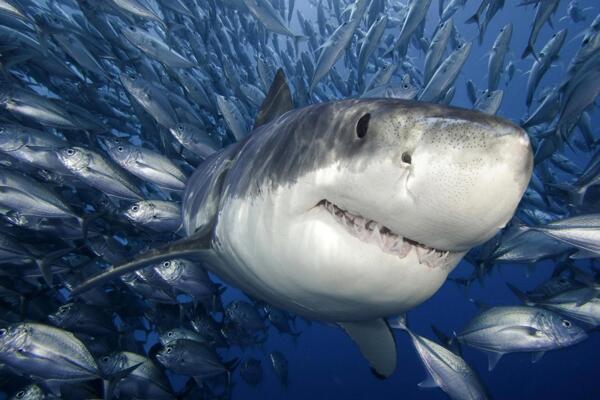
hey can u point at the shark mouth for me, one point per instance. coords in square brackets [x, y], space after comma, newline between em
[372, 232]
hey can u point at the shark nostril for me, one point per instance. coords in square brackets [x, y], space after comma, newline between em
[406, 158]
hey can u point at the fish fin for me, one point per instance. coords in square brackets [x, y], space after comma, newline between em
[520, 294]
[474, 19]
[400, 322]
[493, 359]
[449, 342]
[529, 50]
[45, 264]
[376, 342]
[195, 244]
[527, 330]
[428, 383]
[589, 295]
[109, 382]
[537, 356]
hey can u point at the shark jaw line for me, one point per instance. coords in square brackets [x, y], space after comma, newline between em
[375, 233]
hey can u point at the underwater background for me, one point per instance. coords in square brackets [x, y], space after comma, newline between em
[324, 363]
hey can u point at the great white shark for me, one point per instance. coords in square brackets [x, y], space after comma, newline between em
[349, 211]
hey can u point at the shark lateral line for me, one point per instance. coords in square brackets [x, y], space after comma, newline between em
[349, 211]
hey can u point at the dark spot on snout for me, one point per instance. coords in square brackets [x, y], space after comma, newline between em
[362, 126]
[406, 158]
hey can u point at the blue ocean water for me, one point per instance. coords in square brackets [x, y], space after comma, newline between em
[324, 363]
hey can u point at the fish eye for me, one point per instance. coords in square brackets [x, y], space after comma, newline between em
[566, 323]
[70, 152]
[562, 280]
[586, 41]
[20, 394]
[180, 127]
[131, 28]
[120, 148]
[166, 263]
[406, 158]
[170, 334]
[405, 86]
[169, 349]
[362, 126]
[105, 359]
[134, 208]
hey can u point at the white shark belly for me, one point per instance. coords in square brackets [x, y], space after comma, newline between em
[351, 280]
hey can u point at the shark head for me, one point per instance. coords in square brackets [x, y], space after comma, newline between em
[359, 209]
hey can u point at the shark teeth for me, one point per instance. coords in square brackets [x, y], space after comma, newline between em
[373, 232]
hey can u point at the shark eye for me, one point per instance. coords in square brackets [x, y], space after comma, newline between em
[362, 126]
[566, 324]
[406, 158]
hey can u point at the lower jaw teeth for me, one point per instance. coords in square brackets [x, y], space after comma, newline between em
[371, 231]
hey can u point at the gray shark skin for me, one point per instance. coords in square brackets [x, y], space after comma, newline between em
[352, 210]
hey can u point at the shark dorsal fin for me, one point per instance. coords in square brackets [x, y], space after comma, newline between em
[278, 101]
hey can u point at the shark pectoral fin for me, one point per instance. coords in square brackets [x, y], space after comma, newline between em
[428, 383]
[278, 101]
[493, 359]
[535, 357]
[194, 245]
[376, 342]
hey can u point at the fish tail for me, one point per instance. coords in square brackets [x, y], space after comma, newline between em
[399, 322]
[474, 19]
[529, 50]
[520, 294]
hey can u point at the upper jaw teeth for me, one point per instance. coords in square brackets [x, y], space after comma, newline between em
[373, 232]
